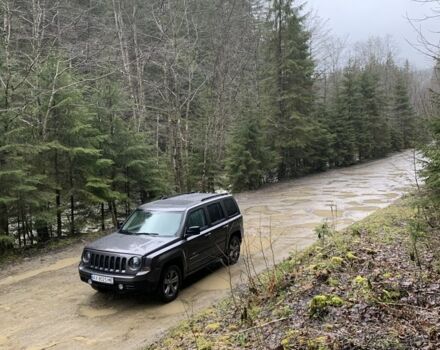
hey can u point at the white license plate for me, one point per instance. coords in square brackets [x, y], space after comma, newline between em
[102, 279]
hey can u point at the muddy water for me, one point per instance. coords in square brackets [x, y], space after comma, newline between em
[44, 305]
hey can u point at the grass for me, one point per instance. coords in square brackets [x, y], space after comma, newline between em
[357, 289]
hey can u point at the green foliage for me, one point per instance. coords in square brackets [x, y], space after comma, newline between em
[6, 244]
[288, 87]
[319, 304]
[249, 160]
[199, 96]
[324, 230]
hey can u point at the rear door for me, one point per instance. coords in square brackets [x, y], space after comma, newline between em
[218, 230]
[197, 247]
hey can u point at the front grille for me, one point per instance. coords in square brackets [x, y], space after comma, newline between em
[110, 263]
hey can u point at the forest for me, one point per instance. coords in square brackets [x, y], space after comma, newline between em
[108, 104]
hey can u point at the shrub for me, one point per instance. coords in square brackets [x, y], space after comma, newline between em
[6, 244]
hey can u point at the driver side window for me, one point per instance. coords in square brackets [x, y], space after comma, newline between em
[197, 218]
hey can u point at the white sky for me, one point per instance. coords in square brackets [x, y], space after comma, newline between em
[360, 19]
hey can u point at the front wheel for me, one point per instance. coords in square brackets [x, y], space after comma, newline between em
[169, 283]
[233, 252]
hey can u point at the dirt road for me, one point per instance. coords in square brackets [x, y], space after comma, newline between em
[43, 305]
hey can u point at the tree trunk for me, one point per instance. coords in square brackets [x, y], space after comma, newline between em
[72, 215]
[42, 230]
[58, 197]
[72, 202]
[112, 208]
[4, 220]
[58, 207]
[102, 217]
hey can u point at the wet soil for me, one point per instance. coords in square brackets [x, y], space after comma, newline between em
[44, 305]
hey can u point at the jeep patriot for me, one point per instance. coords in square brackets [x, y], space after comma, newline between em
[163, 242]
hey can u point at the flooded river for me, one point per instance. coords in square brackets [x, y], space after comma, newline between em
[43, 305]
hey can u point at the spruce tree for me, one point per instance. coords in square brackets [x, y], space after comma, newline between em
[288, 86]
[249, 160]
[345, 122]
[373, 134]
[404, 120]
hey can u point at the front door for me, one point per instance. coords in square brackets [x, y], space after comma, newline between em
[197, 246]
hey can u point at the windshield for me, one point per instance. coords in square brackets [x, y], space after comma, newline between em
[154, 223]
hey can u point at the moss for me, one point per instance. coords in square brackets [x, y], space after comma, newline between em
[387, 275]
[361, 281]
[290, 338]
[212, 327]
[351, 256]
[319, 343]
[319, 304]
[337, 261]
[204, 344]
[335, 301]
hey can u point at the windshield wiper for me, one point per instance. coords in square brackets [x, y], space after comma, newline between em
[147, 233]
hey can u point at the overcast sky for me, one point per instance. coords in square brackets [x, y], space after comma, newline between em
[359, 19]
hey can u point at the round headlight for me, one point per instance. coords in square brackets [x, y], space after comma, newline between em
[135, 263]
[86, 257]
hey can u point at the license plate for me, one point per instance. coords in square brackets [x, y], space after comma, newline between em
[102, 279]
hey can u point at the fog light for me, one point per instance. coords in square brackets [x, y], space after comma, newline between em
[120, 286]
[89, 281]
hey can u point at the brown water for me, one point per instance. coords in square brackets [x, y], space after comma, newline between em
[44, 305]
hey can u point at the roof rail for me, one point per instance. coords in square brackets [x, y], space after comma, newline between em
[214, 196]
[177, 195]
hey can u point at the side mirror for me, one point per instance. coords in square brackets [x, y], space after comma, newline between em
[193, 231]
[119, 224]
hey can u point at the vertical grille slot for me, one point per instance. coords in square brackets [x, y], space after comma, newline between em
[118, 264]
[112, 263]
[123, 264]
[106, 262]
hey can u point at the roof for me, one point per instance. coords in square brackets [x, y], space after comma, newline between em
[182, 201]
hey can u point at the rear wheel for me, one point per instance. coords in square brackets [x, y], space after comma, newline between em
[233, 252]
[170, 283]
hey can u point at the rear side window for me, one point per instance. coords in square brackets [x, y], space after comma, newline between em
[231, 207]
[197, 218]
[215, 212]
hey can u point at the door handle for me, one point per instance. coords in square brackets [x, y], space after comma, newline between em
[226, 226]
[208, 234]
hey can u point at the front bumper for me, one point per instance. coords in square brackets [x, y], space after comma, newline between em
[122, 283]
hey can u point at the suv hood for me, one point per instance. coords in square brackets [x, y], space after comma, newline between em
[130, 244]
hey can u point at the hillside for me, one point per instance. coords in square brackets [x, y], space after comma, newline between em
[358, 289]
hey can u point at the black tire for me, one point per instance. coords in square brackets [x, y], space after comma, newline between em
[169, 283]
[233, 251]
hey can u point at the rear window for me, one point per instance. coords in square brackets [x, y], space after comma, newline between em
[231, 207]
[215, 212]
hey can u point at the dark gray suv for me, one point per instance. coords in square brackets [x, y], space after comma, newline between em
[163, 242]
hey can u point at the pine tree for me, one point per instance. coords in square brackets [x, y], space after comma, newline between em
[289, 86]
[404, 120]
[373, 133]
[67, 137]
[345, 122]
[248, 159]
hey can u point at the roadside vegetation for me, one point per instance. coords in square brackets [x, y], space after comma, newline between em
[372, 286]
[107, 104]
